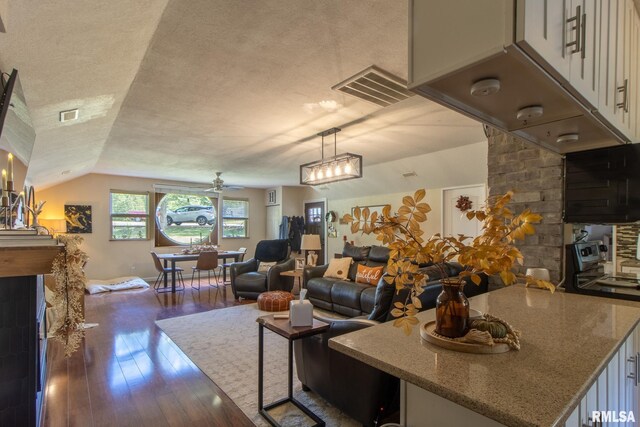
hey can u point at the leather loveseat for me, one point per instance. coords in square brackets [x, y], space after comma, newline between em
[345, 297]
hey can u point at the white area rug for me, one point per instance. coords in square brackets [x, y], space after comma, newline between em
[117, 284]
[224, 345]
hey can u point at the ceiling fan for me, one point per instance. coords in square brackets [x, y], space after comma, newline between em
[218, 185]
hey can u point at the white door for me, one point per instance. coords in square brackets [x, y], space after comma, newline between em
[454, 221]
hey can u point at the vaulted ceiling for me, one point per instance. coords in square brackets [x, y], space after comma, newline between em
[178, 89]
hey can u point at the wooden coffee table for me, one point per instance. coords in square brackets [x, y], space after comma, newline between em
[283, 328]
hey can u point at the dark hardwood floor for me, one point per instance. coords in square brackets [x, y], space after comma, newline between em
[129, 373]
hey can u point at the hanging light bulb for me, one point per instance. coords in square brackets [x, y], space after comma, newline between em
[312, 175]
[337, 170]
[329, 172]
[320, 174]
[347, 168]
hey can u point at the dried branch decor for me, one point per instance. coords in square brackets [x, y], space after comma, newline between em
[69, 291]
[493, 252]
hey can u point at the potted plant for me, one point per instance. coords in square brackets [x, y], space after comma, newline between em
[493, 252]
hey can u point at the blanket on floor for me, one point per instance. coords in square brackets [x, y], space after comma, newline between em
[117, 284]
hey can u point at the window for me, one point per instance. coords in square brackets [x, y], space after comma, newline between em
[129, 215]
[235, 218]
[185, 219]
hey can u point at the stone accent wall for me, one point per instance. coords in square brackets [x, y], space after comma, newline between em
[626, 240]
[535, 175]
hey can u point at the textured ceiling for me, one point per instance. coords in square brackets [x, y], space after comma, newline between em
[178, 89]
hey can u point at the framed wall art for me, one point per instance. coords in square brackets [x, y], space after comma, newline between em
[78, 218]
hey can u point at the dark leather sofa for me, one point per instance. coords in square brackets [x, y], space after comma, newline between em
[352, 299]
[248, 282]
[345, 297]
[364, 393]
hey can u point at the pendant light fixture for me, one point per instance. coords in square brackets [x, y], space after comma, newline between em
[340, 167]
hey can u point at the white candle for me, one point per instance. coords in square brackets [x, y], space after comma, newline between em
[10, 167]
[4, 180]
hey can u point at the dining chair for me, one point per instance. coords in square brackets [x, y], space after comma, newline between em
[162, 271]
[228, 264]
[207, 261]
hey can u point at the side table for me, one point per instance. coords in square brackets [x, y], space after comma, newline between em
[297, 277]
[283, 328]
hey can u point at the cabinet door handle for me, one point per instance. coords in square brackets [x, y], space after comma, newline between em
[583, 36]
[624, 89]
[637, 368]
[578, 21]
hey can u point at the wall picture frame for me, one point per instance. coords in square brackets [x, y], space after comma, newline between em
[78, 218]
[299, 263]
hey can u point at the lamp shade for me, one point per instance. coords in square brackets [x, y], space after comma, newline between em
[310, 242]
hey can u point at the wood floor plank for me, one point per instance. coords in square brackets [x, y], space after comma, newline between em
[129, 373]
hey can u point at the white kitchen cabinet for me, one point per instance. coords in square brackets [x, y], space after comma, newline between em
[619, 66]
[542, 29]
[634, 75]
[616, 388]
[607, 60]
[585, 31]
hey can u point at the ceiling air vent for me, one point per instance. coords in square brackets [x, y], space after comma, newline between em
[69, 115]
[376, 86]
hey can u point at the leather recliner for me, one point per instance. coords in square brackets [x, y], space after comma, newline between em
[248, 282]
[363, 392]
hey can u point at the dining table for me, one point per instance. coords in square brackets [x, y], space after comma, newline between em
[180, 257]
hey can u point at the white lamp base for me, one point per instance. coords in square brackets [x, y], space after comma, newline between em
[312, 258]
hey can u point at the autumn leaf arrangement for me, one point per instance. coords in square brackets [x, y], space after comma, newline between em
[493, 252]
[70, 281]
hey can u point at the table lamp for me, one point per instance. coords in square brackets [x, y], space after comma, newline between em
[311, 243]
[55, 226]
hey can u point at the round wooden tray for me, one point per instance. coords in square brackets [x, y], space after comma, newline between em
[426, 332]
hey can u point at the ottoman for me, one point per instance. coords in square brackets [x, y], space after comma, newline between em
[274, 301]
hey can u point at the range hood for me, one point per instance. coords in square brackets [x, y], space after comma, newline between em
[522, 85]
[478, 67]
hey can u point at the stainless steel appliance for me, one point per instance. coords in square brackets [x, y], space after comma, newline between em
[585, 274]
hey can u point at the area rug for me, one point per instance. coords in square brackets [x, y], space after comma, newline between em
[224, 345]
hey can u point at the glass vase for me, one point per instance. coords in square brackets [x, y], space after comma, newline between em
[452, 309]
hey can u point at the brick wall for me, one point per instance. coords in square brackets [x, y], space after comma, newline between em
[535, 175]
[626, 240]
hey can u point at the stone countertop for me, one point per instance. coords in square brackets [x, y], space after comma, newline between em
[567, 339]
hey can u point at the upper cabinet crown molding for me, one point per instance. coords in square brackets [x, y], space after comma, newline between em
[561, 73]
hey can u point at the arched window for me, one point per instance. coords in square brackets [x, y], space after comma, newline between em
[185, 219]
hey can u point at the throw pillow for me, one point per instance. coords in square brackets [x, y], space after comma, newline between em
[369, 275]
[264, 267]
[338, 268]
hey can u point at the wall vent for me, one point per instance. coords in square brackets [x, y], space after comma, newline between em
[376, 86]
[69, 115]
[409, 174]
